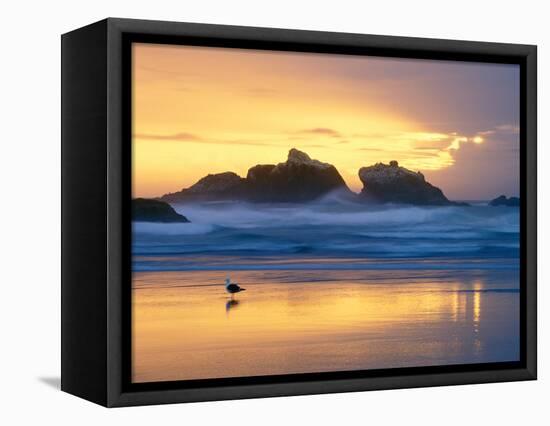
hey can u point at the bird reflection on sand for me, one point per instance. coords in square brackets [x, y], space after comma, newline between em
[231, 304]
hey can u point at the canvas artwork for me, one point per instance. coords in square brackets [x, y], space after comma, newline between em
[308, 213]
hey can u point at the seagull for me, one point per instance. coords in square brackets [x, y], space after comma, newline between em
[232, 288]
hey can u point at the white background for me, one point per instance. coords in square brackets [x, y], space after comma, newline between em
[30, 212]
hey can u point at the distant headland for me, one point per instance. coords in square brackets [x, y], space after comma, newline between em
[503, 201]
[145, 210]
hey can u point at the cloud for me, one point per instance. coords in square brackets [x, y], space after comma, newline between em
[372, 149]
[507, 128]
[191, 137]
[324, 131]
[420, 150]
[481, 170]
[442, 142]
[273, 141]
[180, 137]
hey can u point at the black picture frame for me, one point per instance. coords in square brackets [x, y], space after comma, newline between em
[96, 225]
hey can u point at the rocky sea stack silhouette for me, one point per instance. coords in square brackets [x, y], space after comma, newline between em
[299, 179]
[302, 179]
[503, 201]
[219, 186]
[391, 183]
[145, 210]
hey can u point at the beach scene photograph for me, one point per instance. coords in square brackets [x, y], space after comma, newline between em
[307, 213]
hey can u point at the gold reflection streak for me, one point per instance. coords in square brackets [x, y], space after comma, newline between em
[477, 310]
[455, 302]
[476, 315]
[477, 304]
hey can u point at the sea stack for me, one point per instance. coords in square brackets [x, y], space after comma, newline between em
[391, 183]
[220, 186]
[503, 201]
[298, 179]
[145, 210]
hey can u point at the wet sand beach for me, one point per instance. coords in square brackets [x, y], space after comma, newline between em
[298, 321]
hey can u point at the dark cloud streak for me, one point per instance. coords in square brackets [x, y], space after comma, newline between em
[321, 131]
[190, 137]
[179, 137]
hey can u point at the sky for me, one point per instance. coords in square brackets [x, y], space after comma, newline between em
[201, 110]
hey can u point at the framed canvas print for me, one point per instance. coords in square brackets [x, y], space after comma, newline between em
[252, 212]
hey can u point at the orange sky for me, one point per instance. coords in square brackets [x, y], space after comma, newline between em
[203, 110]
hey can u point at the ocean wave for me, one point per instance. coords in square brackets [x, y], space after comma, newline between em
[244, 215]
[333, 228]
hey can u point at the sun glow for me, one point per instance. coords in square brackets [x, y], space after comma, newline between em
[477, 139]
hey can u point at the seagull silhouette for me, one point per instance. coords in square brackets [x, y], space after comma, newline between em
[232, 288]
